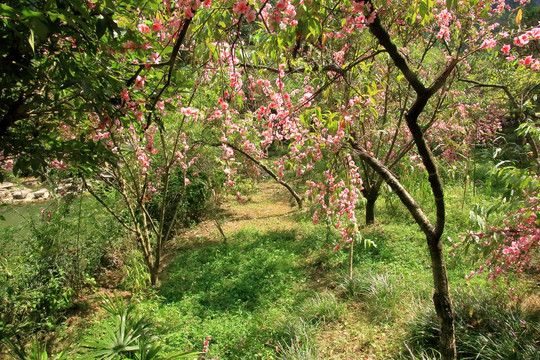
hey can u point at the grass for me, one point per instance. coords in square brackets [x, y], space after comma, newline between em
[240, 293]
[276, 290]
[489, 325]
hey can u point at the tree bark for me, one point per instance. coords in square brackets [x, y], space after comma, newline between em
[154, 275]
[441, 297]
[371, 195]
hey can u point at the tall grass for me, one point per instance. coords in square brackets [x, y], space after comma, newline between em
[299, 345]
[488, 327]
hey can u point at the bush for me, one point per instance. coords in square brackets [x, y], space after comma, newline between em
[129, 336]
[188, 201]
[488, 327]
[52, 260]
[300, 345]
[321, 308]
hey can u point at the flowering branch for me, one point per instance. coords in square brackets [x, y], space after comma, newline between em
[268, 171]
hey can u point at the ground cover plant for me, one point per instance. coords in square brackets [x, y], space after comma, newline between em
[287, 294]
[161, 108]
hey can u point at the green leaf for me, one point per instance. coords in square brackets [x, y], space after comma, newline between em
[31, 40]
[6, 10]
[101, 27]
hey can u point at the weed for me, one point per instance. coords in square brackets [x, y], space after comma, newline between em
[300, 345]
[488, 326]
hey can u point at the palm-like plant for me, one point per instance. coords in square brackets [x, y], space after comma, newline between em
[129, 336]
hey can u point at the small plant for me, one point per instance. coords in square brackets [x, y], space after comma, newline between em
[136, 276]
[377, 289]
[355, 286]
[129, 337]
[300, 345]
[321, 308]
[37, 351]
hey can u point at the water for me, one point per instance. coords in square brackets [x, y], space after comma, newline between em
[19, 215]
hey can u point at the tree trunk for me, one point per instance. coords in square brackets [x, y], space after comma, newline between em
[154, 275]
[351, 259]
[371, 197]
[442, 299]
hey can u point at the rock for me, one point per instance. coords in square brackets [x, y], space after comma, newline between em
[20, 194]
[41, 194]
[6, 186]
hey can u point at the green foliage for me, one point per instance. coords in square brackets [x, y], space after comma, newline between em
[129, 336]
[47, 265]
[300, 344]
[191, 199]
[37, 351]
[123, 337]
[321, 308]
[136, 277]
[488, 326]
[53, 74]
[243, 294]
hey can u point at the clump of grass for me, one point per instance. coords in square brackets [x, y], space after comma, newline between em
[380, 292]
[488, 326]
[300, 345]
[321, 308]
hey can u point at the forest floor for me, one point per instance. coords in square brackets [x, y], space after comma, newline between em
[266, 284]
[350, 335]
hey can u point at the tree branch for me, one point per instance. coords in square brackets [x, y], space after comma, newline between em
[102, 202]
[384, 39]
[268, 171]
[406, 198]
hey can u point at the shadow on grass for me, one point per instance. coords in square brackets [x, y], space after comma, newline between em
[253, 270]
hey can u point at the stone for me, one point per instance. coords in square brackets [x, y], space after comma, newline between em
[41, 194]
[20, 194]
[6, 185]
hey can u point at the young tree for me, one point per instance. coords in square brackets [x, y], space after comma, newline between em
[270, 74]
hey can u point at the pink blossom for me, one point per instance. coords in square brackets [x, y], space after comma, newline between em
[139, 82]
[155, 58]
[158, 27]
[143, 28]
[528, 60]
[358, 7]
[488, 44]
[281, 5]
[251, 16]
[535, 33]
[131, 45]
[506, 49]
[125, 95]
[521, 40]
[241, 8]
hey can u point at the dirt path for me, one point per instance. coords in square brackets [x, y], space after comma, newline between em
[271, 208]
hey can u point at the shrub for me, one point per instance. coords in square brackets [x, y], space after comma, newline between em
[321, 308]
[488, 327]
[129, 336]
[50, 262]
[188, 201]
